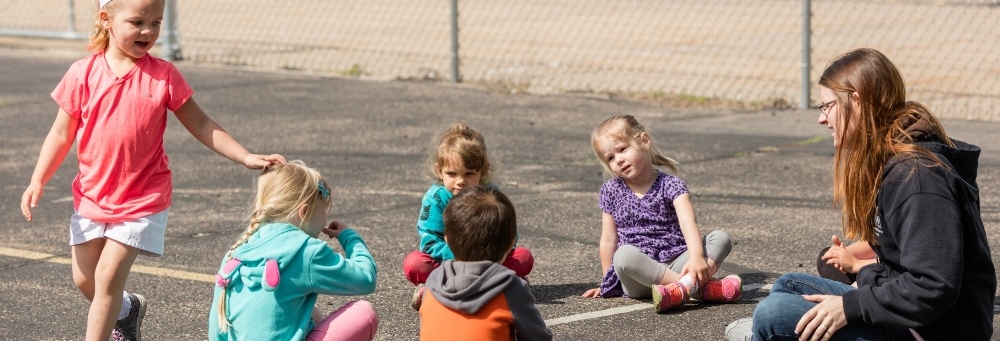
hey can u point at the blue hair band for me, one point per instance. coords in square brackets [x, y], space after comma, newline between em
[323, 191]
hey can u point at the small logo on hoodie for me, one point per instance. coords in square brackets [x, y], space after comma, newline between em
[877, 221]
[425, 212]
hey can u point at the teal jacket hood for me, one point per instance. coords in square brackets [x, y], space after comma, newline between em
[256, 263]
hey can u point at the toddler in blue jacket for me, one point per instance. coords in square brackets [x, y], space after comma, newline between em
[459, 161]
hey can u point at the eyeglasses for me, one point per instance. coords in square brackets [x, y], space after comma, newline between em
[825, 107]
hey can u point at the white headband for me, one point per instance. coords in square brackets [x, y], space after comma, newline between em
[104, 2]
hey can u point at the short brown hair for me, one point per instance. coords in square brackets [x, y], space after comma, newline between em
[480, 224]
[465, 144]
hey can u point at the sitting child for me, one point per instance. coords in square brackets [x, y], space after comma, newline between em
[473, 297]
[459, 161]
[650, 241]
[269, 280]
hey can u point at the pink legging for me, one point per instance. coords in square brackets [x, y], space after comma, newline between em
[418, 265]
[356, 320]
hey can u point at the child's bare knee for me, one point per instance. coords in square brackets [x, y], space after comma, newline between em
[85, 285]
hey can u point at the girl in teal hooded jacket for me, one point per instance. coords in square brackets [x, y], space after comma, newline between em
[459, 160]
[268, 283]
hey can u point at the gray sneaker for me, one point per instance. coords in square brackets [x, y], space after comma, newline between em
[418, 297]
[740, 330]
[127, 329]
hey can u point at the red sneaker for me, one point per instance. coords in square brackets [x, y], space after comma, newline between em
[669, 296]
[724, 290]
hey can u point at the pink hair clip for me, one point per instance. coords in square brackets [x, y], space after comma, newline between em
[221, 282]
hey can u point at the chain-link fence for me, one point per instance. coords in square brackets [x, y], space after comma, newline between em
[737, 50]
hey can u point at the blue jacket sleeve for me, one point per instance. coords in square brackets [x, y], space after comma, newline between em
[353, 274]
[430, 225]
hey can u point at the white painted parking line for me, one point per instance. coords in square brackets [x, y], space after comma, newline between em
[631, 308]
[198, 277]
[596, 314]
[149, 270]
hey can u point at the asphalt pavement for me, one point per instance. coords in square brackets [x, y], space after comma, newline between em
[761, 176]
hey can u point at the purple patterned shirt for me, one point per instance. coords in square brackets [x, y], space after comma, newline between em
[648, 223]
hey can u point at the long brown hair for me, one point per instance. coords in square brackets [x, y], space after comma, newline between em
[871, 135]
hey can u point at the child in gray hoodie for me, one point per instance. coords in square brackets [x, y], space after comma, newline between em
[474, 297]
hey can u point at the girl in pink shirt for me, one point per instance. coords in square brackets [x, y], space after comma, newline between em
[114, 105]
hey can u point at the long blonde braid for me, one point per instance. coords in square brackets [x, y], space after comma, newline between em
[251, 229]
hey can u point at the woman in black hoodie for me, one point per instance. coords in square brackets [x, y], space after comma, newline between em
[909, 191]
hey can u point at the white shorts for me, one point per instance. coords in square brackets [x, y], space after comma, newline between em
[145, 234]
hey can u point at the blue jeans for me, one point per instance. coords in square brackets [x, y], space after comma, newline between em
[776, 316]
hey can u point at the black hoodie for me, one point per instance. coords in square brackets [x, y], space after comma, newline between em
[934, 272]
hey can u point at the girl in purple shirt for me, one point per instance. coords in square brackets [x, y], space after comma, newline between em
[648, 227]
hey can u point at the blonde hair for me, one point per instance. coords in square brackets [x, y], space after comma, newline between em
[464, 143]
[281, 190]
[627, 129]
[877, 133]
[99, 36]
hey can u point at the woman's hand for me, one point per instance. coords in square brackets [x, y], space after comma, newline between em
[823, 320]
[840, 257]
[698, 268]
[255, 161]
[333, 230]
[593, 293]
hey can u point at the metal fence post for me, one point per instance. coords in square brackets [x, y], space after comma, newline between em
[72, 18]
[806, 32]
[171, 50]
[455, 77]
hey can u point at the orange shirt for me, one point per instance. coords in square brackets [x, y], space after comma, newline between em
[493, 322]
[123, 167]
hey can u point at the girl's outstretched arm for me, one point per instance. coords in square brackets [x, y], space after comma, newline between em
[696, 265]
[353, 273]
[211, 134]
[54, 150]
[608, 246]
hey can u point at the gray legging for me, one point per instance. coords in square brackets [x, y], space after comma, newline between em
[638, 272]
